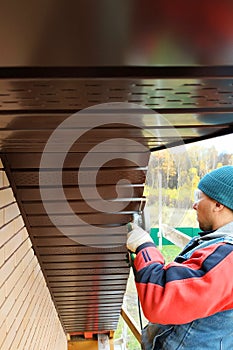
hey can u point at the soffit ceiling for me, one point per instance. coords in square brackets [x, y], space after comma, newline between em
[111, 81]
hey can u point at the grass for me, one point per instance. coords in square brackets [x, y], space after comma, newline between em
[170, 252]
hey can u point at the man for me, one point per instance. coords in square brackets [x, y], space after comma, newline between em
[189, 302]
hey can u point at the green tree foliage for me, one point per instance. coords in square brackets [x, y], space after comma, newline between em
[179, 171]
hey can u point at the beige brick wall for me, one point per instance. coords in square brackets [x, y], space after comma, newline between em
[28, 318]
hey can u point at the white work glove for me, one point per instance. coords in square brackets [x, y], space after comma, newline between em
[136, 237]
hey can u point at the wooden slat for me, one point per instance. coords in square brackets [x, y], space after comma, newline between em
[70, 177]
[92, 219]
[60, 207]
[84, 257]
[131, 324]
[175, 236]
[32, 160]
[73, 193]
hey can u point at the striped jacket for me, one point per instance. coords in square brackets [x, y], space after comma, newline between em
[197, 285]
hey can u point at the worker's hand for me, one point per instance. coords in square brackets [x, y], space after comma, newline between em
[136, 237]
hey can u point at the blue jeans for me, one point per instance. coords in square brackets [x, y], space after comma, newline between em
[211, 333]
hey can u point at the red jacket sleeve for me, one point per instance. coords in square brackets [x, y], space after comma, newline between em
[179, 293]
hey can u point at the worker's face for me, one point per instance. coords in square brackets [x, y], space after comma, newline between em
[204, 206]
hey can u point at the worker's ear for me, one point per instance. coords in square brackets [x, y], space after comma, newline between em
[218, 206]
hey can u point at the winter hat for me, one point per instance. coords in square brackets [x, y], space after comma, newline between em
[218, 185]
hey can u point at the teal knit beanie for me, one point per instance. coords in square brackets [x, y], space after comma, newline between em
[218, 185]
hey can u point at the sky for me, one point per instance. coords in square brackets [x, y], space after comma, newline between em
[221, 143]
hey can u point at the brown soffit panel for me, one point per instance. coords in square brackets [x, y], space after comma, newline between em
[84, 262]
